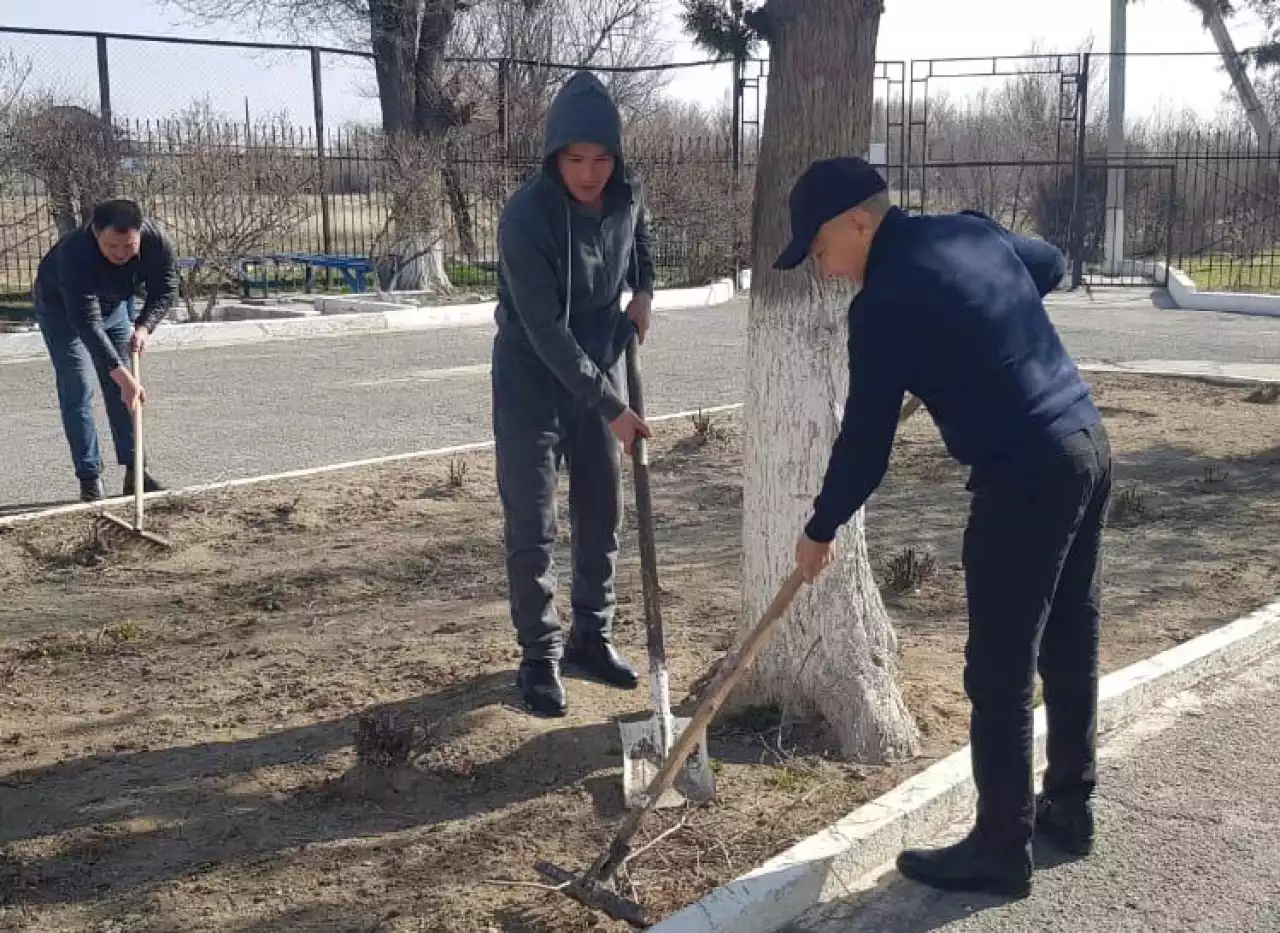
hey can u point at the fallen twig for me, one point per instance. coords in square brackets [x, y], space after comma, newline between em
[813, 790]
[656, 839]
[728, 862]
[499, 883]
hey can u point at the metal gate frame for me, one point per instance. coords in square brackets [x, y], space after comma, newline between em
[905, 130]
[1146, 271]
[889, 78]
[1072, 70]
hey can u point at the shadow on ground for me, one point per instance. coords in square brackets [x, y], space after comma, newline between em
[901, 906]
[134, 820]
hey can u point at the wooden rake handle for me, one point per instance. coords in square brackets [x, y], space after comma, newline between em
[135, 362]
[731, 670]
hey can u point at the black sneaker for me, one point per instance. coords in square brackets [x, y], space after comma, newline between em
[541, 687]
[1068, 824]
[596, 656]
[91, 490]
[967, 866]
[149, 483]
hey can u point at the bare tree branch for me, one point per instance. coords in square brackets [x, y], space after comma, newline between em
[226, 192]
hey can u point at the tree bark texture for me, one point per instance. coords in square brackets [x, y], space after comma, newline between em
[837, 655]
[408, 39]
[1234, 63]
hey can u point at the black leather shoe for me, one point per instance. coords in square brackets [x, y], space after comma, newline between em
[965, 866]
[149, 483]
[91, 490]
[1068, 824]
[541, 687]
[595, 655]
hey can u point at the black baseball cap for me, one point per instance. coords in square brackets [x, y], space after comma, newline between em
[827, 189]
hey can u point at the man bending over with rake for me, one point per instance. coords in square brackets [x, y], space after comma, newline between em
[84, 302]
[570, 240]
[951, 309]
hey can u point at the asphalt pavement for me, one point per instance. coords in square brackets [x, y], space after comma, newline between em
[231, 412]
[226, 413]
[1188, 817]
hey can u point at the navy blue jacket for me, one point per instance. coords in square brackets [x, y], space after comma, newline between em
[75, 282]
[952, 311]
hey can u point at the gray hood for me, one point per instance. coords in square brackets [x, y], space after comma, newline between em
[563, 271]
[583, 112]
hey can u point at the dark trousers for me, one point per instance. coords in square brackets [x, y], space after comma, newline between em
[536, 427]
[1032, 553]
[75, 371]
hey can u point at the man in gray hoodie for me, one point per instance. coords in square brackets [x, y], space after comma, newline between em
[571, 239]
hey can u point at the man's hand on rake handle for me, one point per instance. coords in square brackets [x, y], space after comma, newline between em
[131, 389]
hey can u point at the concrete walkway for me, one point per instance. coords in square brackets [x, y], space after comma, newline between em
[1189, 815]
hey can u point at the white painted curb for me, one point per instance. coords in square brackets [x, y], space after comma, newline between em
[24, 517]
[348, 316]
[828, 865]
[1237, 374]
[1188, 296]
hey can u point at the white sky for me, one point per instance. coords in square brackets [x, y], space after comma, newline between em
[152, 80]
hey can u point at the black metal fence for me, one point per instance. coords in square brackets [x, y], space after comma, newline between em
[1028, 144]
[228, 194]
[309, 172]
[1023, 138]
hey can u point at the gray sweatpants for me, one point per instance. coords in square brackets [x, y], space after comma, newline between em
[537, 425]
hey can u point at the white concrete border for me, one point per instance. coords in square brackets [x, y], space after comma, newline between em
[827, 866]
[347, 316]
[25, 517]
[1188, 296]
[1227, 374]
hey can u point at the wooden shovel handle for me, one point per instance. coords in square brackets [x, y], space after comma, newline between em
[644, 519]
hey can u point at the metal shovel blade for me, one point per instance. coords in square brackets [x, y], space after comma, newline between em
[642, 756]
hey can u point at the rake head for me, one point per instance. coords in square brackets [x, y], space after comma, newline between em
[591, 894]
[115, 533]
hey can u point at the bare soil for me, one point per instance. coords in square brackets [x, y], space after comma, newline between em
[178, 733]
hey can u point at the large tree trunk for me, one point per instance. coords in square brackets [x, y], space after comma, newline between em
[407, 53]
[462, 222]
[837, 655]
[393, 26]
[1234, 64]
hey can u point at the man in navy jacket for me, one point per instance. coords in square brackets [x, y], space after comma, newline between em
[84, 300]
[950, 309]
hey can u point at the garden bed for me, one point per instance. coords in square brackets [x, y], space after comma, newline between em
[177, 732]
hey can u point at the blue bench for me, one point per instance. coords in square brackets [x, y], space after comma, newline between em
[353, 269]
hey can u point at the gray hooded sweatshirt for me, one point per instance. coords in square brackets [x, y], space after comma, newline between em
[562, 270]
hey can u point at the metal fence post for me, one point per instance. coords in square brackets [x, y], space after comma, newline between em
[735, 149]
[1077, 173]
[317, 92]
[104, 81]
[736, 141]
[504, 103]
[1171, 210]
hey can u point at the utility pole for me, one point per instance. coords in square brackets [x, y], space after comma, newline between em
[1114, 248]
